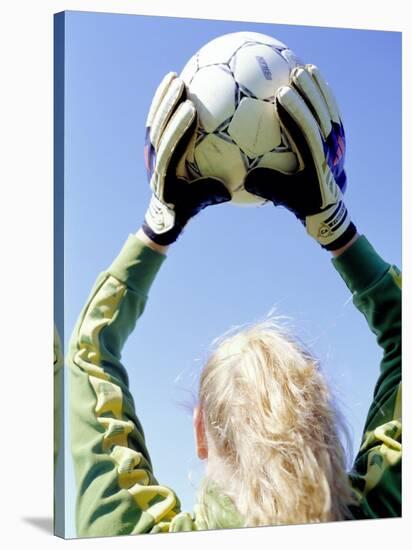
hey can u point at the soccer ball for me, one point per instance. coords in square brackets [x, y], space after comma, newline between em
[232, 82]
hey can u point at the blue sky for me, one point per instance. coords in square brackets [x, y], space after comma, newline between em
[232, 265]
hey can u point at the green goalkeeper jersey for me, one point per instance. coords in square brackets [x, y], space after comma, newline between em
[117, 492]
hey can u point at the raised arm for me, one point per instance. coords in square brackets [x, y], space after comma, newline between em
[376, 289]
[110, 458]
[117, 492]
[310, 117]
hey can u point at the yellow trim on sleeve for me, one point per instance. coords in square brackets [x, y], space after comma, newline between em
[386, 448]
[133, 471]
[143, 497]
[396, 276]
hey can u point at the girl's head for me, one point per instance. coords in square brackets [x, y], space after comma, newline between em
[266, 423]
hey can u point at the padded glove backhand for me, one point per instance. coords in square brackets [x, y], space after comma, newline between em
[310, 118]
[170, 131]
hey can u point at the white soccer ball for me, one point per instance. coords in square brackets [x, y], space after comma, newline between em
[232, 81]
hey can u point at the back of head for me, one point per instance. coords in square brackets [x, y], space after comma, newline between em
[272, 431]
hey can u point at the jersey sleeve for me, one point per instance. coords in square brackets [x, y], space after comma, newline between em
[376, 473]
[117, 492]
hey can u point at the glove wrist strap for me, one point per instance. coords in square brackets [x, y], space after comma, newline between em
[160, 223]
[332, 227]
[343, 239]
[163, 239]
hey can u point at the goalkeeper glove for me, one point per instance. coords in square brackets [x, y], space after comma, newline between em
[170, 131]
[309, 116]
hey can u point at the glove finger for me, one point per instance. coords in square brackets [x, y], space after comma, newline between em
[306, 86]
[266, 182]
[189, 198]
[173, 143]
[149, 150]
[335, 140]
[304, 134]
[207, 191]
[327, 93]
[291, 191]
[171, 94]
[158, 96]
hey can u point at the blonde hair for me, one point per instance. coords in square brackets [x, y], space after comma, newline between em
[273, 431]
